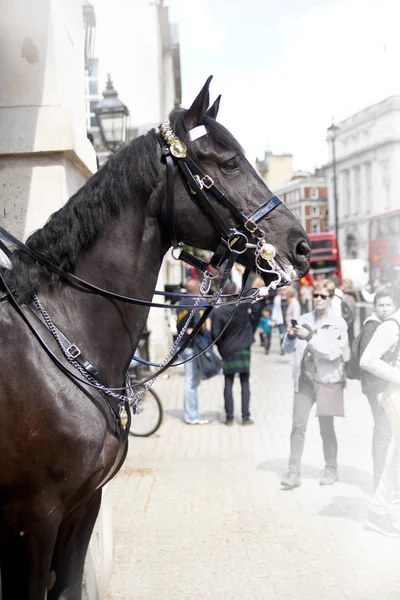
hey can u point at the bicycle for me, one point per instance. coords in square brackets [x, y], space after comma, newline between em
[149, 415]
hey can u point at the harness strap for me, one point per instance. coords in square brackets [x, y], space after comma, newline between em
[111, 402]
[217, 221]
[77, 281]
[237, 212]
[72, 349]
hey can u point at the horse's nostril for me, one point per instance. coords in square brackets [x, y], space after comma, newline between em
[303, 249]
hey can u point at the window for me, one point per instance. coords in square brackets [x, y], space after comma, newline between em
[314, 193]
[315, 227]
[92, 94]
[368, 186]
[315, 210]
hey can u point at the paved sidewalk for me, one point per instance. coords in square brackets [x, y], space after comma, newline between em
[199, 512]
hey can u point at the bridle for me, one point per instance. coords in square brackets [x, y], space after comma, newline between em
[233, 242]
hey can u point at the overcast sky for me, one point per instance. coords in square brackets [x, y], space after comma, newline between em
[286, 67]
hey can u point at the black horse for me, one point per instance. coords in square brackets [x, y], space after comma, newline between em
[59, 440]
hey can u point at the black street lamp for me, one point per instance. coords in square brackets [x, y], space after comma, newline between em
[333, 129]
[112, 118]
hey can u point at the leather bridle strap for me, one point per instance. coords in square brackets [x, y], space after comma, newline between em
[73, 279]
[236, 212]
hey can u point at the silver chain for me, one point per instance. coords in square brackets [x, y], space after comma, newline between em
[50, 325]
[204, 288]
[134, 398]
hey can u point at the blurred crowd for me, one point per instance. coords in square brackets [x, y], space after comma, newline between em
[314, 319]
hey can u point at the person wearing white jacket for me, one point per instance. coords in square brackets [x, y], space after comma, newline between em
[382, 359]
[321, 335]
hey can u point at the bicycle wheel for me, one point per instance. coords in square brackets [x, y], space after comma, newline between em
[148, 417]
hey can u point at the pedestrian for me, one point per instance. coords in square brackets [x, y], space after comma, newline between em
[265, 325]
[192, 367]
[372, 386]
[321, 345]
[375, 359]
[234, 335]
[293, 310]
[305, 294]
[256, 308]
[278, 313]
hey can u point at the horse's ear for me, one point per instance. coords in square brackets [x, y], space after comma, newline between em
[213, 110]
[199, 107]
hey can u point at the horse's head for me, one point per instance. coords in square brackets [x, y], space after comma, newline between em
[220, 157]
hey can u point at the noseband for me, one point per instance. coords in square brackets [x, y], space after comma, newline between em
[233, 240]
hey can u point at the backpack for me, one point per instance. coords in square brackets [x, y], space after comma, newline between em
[347, 311]
[352, 366]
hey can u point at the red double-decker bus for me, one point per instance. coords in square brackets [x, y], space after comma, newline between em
[384, 247]
[325, 258]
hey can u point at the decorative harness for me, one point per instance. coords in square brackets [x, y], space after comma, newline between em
[234, 241]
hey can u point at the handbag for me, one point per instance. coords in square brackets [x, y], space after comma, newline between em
[209, 362]
[329, 398]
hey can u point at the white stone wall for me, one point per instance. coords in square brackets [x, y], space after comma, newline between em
[45, 156]
[367, 159]
[132, 45]
[129, 47]
[44, 153]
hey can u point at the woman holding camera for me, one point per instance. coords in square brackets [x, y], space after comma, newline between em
[320, 342]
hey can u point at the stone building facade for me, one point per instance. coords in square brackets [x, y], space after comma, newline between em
[306, 195]
[275, 169]
[368, 178]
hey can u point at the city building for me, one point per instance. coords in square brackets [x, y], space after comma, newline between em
[367, 155]
[275, 169]
[306, 196]
[139, 48]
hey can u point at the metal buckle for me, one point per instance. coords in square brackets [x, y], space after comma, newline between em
[174, 250]
[73, 351]
[207, 181]
[208, 273]
[235, 237]
[251, 226]
[199, 183]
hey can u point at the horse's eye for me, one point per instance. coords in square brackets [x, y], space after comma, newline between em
[231, 165]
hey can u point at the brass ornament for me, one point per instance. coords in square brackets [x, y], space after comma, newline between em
[123, 416]
[267, 251]
[178, 148]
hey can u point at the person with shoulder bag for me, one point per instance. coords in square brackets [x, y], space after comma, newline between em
[321, 347]
[382, 359]
[372, 386]
[193, 373]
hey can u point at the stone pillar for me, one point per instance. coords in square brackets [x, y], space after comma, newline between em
[45, 155]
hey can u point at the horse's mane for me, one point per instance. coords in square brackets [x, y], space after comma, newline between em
[132, 173]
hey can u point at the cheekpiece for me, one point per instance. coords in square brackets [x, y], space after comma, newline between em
[177, 148]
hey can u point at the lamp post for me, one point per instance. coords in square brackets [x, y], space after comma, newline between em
[333, 129]
[112, 118]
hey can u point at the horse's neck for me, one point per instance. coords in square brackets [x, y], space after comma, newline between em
[127, 261]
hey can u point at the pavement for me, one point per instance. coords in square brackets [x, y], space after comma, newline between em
[200, 514]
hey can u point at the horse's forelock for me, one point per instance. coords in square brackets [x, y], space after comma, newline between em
[218, 133]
